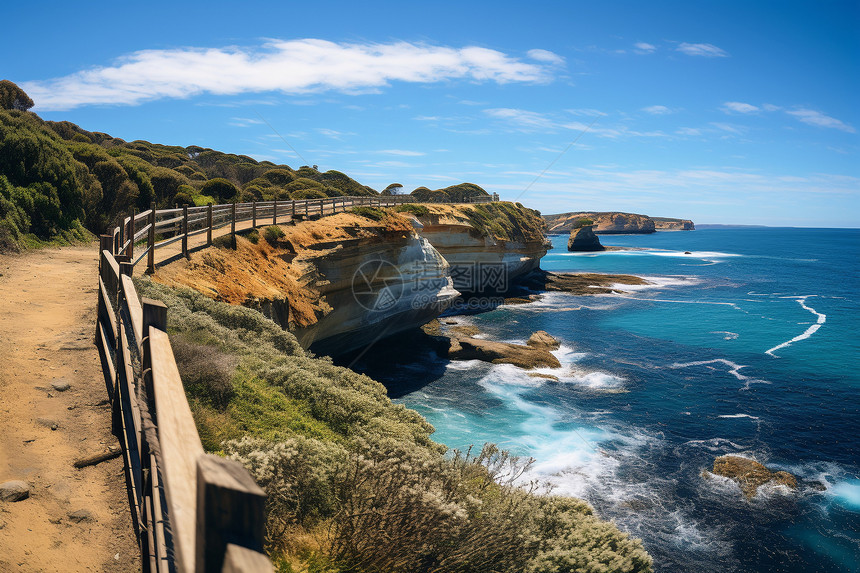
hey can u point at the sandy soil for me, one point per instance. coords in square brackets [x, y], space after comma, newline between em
[47, 320]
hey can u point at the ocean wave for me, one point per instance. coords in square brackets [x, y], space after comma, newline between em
[656, 282]
[734, 370]
[822, 318]
[738, 416]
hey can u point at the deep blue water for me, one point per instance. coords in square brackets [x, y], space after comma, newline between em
[749, 345]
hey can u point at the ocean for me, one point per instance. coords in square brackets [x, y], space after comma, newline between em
[747, 345]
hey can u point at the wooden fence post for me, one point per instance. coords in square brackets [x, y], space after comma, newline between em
[209, 224]
[307, 202]
[126, 268]
[150, 256]
[275, 213]
[154, 314]
[230, 509]
[292, 208]
[131, 235]
[185, 231]
[254, 214]
[233, 223]
[105, 243]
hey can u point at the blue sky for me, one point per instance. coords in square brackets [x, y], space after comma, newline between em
[722, 112]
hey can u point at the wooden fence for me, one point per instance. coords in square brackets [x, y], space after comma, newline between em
[193, 512]
[154, 229]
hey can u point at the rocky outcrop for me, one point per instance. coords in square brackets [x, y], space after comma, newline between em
[583, 239]
[488, 246]
[578, 283]
[607, 223]
[668, 224]
[749, 474]
[520, 355]
[338, 283]
[604, 222]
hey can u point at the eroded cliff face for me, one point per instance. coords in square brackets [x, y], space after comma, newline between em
[338, 283]
[669, 224]
[489, 246]
[604, 222]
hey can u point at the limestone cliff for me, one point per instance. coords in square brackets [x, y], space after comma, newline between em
[604, 222]
[669, 224]
[337, 283]
[584, 240]
[489, 246]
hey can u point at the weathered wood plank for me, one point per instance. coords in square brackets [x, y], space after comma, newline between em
[180, 447]
[243, 560]
[230, 509]
[135, 311]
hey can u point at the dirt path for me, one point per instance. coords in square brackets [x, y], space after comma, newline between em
[47, 319]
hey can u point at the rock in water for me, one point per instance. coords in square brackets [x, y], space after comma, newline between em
[542, 339]
[750, 474]
[527, 357]
[584, 240]
[15, 490]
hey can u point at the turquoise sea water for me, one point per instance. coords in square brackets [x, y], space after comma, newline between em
[748, 345]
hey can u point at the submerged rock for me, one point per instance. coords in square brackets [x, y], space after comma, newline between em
[749, 474]
[578, 283]
[583, 239]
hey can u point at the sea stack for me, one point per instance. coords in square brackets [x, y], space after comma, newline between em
[584, 239]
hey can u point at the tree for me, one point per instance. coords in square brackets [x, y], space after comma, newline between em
[221, 189]
[13, 97]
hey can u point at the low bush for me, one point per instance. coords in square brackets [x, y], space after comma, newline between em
[371, 213]
[413, 208]
[344, 468]
[272, 233]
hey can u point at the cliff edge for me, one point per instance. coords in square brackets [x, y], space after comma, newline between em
[613, 222]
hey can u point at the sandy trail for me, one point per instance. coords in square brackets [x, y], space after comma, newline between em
[47, 320]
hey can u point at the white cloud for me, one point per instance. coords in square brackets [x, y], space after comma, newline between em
[590, 112]
[737, 130]
[818, 119]
[707, 50]
[545, 56]
[528, 120]
[644, 48]
[657, 110]
[739, 107]
[770, 107]
[689, 131]
[293, 67]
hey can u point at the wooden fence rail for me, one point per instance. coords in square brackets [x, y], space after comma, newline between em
[193, 512]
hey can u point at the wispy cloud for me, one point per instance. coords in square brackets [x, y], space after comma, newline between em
[739, 107]
[293, 67]
[644, 48]
[657, 110]
[402, 152]
[523, 119]
[244, 121]
[707, 50]
[545, 56]
[818, 119]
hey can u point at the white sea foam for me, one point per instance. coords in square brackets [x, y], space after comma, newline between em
[656, 282]
[734, 370]
[727, 335]
[738, 416]
[822, 318]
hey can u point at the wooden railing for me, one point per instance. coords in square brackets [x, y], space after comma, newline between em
[154, 229]
[192, 512]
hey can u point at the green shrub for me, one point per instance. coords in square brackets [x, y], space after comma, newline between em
[272, 233]
[371, 213]
[206, 372]
[253, 236]
[582, 222]
[223, 190]
[413, 208]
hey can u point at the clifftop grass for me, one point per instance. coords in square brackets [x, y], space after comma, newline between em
[344, 467]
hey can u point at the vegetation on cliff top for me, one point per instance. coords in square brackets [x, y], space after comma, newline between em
[344, 467]
[460, 193]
